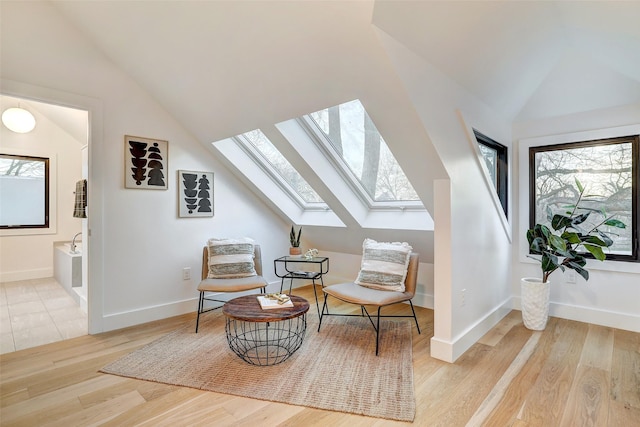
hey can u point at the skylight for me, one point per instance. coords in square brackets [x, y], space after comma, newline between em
[265, 153]
[355, 140]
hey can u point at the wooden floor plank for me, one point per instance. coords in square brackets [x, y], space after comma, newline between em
[576, 371]
[588, 402]
[545, 402]
[512, 402]
[625, 370]
[102, 412]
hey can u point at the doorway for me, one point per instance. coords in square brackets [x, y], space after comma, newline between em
[36, 308]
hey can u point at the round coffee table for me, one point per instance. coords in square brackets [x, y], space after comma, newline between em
[265, 337]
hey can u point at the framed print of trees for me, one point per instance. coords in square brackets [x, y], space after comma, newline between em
[195, 194]
[146, 161]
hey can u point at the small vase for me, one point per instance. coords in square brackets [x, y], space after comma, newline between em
[295, 251]
[534, 297]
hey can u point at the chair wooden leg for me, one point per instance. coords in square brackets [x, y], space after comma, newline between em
[200, 307]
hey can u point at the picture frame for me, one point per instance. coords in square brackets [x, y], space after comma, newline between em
[146, 162]
[195, 194]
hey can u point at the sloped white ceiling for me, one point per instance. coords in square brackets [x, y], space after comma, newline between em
[526, 60]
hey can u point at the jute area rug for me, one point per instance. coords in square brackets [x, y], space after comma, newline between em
[335, 369]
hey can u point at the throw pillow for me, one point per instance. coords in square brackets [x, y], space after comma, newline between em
[231, 258]
[384, 265]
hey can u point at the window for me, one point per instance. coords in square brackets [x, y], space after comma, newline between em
[607, 168]
[495, 159]
[278, 167]
[358, 148]
[24, 192]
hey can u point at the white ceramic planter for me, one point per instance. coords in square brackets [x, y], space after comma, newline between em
[534, 296]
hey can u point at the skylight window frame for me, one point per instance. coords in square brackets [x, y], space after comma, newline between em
[265, 165]
[326, 147]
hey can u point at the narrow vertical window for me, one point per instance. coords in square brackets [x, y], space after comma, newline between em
[495, 159]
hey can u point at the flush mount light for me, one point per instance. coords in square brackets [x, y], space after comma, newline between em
[18, 120]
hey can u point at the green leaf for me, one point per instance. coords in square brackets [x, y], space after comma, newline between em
[608, 241]
[579, 185]
[557, 243]
[538, 245]
[543, 230]
[596, 251]
[530, 236]
[560, 221]
[615, 223]
[579, 219]
[594, 240]
[549, 262]
[581, 271]
[571, 237]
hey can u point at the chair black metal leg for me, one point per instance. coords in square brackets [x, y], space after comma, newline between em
[378, 331]
[316, 296]
[200, 307]
[324, 305]
[414, 316]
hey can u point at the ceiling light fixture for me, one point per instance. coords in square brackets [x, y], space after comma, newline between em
[18, 120]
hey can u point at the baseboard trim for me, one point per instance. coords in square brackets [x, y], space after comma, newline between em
[450, 351]
[141, 315]
[125, 319]
[610, 319]
[16, 276]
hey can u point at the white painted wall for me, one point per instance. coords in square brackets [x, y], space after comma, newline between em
[138, 246]
[28, 254]
[472, 245]
[611, 297]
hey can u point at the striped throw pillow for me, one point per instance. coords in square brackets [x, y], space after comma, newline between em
[231, 258]
[384, 265]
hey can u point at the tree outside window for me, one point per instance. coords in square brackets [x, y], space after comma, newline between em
[608, 169]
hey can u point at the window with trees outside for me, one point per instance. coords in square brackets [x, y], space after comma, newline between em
[262, 151]
[495, 159]
[362, 154]
[608, 169]
[24, 192]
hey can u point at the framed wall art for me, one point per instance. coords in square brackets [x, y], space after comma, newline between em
[146, 162]
[195, 194]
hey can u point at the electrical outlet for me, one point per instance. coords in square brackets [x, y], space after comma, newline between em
[463, 297]
[571, 276]
[186, 273]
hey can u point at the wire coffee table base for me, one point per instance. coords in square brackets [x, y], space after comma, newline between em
[265, 337]
[266, 343]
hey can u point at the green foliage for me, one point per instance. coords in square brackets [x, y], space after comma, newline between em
[293, 239]
[561, 251]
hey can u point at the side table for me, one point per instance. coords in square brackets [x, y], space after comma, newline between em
[297, 267]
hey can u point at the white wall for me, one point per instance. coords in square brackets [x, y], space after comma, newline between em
[138, 247]
[472, 242]
[28, 254]
[611, 297]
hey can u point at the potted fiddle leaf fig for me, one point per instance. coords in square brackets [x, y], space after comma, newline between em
[563, 246]
[294, 240]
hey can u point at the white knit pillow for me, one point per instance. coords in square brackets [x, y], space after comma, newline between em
[231, 258]
[384, 265]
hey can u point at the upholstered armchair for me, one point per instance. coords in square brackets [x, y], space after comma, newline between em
[354, 293]
[210, 287]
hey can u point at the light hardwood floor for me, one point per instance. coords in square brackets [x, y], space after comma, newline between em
[572, 374]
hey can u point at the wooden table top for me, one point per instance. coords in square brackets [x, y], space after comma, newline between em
[247, 308]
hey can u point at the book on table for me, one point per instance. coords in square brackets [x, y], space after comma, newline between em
[269, 304]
